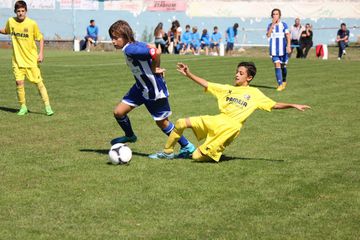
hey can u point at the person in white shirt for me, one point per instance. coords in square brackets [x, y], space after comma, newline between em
[295, 32]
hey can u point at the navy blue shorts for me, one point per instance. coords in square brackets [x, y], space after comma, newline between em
[212, 45]
[229, 46]
[281, 59]
[159, 109]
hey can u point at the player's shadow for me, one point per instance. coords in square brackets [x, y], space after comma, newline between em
[225, 158]
[6, 109]
[263, 86]
[106, 151]
[15, 110]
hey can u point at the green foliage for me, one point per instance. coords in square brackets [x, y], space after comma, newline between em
[289, 175]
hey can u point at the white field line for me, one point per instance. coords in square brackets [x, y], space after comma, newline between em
[121, 63]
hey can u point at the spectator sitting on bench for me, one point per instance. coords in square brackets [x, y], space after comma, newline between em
[92, 35]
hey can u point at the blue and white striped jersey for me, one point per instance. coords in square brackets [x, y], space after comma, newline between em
[278, 40]
[139, 56]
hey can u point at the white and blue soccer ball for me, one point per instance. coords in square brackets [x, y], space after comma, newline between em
[120, 153]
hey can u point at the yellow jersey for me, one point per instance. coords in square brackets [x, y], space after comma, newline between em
[23, 37]
[239, 102]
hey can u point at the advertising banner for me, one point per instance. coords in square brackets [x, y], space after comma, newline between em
[166, 5]
[41, 4]
[135, 7]
[79, 4]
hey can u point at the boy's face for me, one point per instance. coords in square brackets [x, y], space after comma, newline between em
[242, 77]
[276, 16]
[119, 43]
[20, 14]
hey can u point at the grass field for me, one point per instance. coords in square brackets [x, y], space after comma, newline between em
[290, 174]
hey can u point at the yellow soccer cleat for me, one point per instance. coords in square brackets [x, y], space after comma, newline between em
[280, 88]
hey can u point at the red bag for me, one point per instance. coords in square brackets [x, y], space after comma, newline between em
[319, 50]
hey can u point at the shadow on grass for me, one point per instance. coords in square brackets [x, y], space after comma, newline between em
[225, 158]
[106, 151]
[6, 109]
[262, 86]
[15, 110]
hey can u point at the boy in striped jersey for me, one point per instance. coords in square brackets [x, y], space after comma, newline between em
[279, 40]
[149, 89]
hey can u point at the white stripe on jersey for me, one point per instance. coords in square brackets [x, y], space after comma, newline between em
[150, 75]
[278, 39]
[136, 71]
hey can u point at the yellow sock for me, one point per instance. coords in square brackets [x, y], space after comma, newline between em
[175, 135]
[20, 90]
[43, 93]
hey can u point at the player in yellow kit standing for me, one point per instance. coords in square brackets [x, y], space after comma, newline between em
[236, 104]
[24, 34]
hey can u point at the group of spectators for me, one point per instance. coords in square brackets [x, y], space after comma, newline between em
[302, 39]
[191, 41]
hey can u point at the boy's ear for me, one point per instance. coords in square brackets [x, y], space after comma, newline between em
[249, 78]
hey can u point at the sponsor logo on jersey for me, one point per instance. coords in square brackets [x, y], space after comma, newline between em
[236, 100]
[21, 35]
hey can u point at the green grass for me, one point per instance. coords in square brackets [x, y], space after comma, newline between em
[289, 175]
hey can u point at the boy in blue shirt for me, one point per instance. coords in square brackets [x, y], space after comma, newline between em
[91, 34]
[149, 89]
[230, 35]
[205, 41]
[185, 40]
[195, 41]
[215, 40]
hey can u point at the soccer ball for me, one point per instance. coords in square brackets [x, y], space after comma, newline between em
[120, 154]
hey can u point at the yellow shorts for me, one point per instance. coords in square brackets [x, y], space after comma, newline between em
[32, 74]
[218, 131]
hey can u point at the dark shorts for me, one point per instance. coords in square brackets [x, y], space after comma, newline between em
[229, 46]
[93, 38]
[159, 109]
[212, 45]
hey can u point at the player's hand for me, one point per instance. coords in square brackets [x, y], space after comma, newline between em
[40, 58]
[301, 107]
[160, 71]
[182, 68]
[288, 49]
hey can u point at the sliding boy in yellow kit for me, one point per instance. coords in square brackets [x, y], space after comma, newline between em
[236, 103]
[24, 34]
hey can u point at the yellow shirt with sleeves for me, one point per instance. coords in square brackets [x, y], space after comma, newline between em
[23, 37]
[239, 103]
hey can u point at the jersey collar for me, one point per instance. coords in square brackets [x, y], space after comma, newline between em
[123, 49]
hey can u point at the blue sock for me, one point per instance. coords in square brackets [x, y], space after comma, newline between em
[284, 73]
[182, 141]
[125, 124]
[278, 75]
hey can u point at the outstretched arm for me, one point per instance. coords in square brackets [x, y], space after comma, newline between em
[184, 70]
[2, 31]
[299, 107]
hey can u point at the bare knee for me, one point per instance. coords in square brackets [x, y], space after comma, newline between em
[20, 83]
[162, 124]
